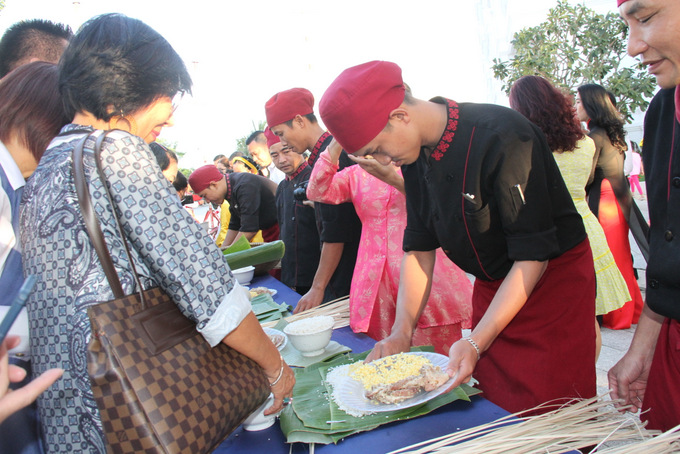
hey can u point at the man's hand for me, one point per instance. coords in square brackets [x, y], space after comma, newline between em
[628, 382]
[309, 300]
[462, 362]
[384, 172]
[391, 345]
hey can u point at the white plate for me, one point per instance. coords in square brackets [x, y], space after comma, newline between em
[350, 392]
[269, 331]
[272, 291]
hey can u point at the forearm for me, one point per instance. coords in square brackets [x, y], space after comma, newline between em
[229, 238]
[249, 339]
[397, 181]
[249, 236]
[330, 258]
[415, 283]
[508, 301]
[646, 333]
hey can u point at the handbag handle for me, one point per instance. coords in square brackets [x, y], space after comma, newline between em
[91, 222]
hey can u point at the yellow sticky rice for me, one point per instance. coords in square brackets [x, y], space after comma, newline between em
[387, 370]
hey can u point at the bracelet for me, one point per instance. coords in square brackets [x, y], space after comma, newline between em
[280, 373]
[474, 344]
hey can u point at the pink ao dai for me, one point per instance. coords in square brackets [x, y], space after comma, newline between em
[373, 293]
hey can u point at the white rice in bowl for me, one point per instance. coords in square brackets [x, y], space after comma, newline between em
[310, 325]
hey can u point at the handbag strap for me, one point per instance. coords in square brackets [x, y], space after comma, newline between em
[92, 223]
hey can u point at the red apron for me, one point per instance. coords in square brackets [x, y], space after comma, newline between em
[547, 352]
[662, 396]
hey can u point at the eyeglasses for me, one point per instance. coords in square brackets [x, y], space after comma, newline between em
[176, 101]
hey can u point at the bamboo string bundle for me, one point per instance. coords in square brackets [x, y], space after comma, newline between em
[338, 309]
[585, 423]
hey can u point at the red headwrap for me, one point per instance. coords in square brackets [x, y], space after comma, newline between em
[620, 2]
[271, 137]
[357, 105]
[201, 178]
[284, 106]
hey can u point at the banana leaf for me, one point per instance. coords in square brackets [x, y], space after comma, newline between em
[239, 245]
[312, 408]
[266, 309]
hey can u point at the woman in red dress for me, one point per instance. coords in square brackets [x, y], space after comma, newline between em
[609, 195]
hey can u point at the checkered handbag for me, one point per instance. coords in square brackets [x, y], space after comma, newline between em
[159, 386]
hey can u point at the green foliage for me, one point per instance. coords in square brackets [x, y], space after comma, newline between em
[575, 46]
[171, 146]
[241, 143]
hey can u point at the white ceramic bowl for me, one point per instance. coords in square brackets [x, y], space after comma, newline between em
[244, 275]
[310, 336]
[257, 420]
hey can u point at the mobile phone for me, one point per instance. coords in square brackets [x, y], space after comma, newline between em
[18, 304]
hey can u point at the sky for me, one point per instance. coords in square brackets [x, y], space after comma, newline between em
[240, 53]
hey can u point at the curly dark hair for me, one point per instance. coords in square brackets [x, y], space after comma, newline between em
[597, 102]
[120, 62]
[549, 109]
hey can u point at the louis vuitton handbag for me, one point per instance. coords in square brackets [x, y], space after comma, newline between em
[159, 386]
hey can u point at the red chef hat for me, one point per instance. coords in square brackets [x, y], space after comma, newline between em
[357, 105]
[271, 137]
[284, 106]
[201, 178]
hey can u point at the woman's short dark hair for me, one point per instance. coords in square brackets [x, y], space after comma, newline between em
[118, 61]
[549, 109]
[598, 105]
[180, 182]
[30, 106]
[161, 155]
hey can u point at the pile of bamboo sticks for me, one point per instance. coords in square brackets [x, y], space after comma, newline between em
[585, 423]
[338, 309]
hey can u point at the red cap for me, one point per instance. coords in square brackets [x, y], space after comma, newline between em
[284, 106]
[620, 2]
[357, 105]
[201, 178]
[271, 137]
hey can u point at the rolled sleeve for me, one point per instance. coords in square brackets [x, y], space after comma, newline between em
[234, 307]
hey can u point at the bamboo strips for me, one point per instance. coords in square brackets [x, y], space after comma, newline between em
[584, 423]
[338, 309]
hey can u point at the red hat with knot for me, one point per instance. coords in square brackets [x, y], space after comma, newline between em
[201, 178]
[284, 106]
[271, 137]
[357, 105]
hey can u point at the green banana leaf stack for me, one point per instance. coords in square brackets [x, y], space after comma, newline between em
[266, 309]
[314, 417]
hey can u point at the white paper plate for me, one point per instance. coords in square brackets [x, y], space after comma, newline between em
[350, 392]
[272, 291]
[269, 331]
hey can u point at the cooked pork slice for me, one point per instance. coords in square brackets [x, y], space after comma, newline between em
[434, 377]
[430, 378]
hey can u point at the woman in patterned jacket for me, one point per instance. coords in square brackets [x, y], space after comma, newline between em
[119, 74]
